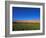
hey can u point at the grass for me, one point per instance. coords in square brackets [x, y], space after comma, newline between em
[25, 26]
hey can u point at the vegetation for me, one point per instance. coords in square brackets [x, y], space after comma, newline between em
[19, 26]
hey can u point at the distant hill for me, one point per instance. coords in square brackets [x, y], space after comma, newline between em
[28, 21]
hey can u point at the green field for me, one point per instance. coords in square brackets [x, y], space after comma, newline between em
[25, 26]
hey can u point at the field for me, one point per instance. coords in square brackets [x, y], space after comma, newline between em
[20, 26]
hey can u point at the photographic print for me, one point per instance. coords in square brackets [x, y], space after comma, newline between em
[23, 18]
[26, 18]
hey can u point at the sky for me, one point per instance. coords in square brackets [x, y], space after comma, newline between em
[25, 13]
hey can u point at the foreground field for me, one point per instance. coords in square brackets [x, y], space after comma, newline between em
[25, 26]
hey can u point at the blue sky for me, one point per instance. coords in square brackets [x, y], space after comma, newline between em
[23, 13]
